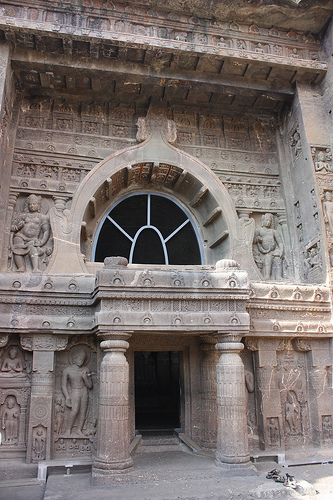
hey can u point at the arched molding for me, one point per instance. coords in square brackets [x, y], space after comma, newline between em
[141, 167]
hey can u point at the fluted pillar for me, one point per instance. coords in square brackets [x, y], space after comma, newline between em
[232, 451]
[113, 441]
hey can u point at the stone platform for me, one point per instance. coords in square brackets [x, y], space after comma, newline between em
[182, 475]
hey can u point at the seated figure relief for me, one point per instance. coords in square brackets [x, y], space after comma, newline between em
[12, 365]
[31, 231]
[268, 249]
[322, 165]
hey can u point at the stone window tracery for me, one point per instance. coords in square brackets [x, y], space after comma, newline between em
[148, 228]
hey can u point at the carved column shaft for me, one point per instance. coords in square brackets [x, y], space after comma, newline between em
[232, 440]
[42, 388]
[42, 384]
[208, 393]
[113, 446]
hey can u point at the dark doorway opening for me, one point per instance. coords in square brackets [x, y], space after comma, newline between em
[157, 390]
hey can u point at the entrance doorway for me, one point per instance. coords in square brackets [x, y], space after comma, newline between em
[157, 390]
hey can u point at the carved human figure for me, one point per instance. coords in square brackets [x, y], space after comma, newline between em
[61, 445]
[321, 163]
[10, 420]
[292, 414]
[38, 444]
[12, 364]
[249, 385]
[78, 378]
[270, 248]
[312, 260]
[85, 446]
[59, 409]
[31, 231]
[327, 427]
[296, 143]
[328, 210]
[273, 431]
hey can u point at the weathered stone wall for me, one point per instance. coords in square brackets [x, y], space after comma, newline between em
[244, 141]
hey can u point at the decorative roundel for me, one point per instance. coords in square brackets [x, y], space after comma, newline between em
[40, 411]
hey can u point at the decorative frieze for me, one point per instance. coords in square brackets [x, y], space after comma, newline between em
[219, 39]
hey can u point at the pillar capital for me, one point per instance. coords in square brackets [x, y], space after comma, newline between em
[229, 337]
[43, 342]
[229, 347]
[114, 341]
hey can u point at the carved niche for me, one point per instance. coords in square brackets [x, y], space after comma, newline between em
[15, 368]
[268, 249]
[292, 382]
[75, 401]
[31, 243]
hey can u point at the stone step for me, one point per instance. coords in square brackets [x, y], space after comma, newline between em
[158, 443]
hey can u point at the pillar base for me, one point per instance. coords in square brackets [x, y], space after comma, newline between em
[235, 470]
[108, 472]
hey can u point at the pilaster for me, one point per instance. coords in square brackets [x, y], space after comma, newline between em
[42, 386]
[208, 392]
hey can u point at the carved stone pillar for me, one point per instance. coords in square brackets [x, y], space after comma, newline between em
[42, 385]
[208, 392]
[113, 438]
[232, 450]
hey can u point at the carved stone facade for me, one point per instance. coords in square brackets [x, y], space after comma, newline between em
[205, 124]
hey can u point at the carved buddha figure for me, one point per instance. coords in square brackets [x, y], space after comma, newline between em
[269, 248]
[12, 365]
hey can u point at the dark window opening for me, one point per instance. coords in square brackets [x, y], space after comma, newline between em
[148, 229]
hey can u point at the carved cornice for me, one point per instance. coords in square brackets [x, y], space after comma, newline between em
[136, 29]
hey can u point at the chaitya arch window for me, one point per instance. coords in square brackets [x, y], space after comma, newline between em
[148, 228]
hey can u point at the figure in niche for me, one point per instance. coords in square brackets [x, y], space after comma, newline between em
[10, 420]
[85, 446]
[273, 431]
[77, 377]
[249, 385]
[61, 445]
[312, 260]
[74, 445]
[59, 409]
[268, 249]
[327, 427]
[12, 364]
[296, 143]
[38, 445]
[30, 232]
[292, 414]
[321, 164]
[328, 210]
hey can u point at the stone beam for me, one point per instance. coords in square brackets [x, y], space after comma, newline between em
[138, 73]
